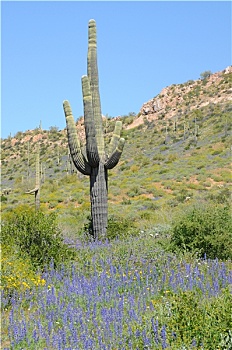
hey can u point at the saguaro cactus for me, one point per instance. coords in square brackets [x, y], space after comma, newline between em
[36, 190]
[93, 159]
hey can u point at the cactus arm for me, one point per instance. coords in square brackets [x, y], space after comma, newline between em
[115, 156]
[115, 138]
[32, 191]
[74, 143]
[92, 71]
[90, 132]
[115, 147]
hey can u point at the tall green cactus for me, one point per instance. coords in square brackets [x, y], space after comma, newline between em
[36, 190]
[94, 160]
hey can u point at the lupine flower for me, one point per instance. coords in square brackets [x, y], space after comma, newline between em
[163, 337]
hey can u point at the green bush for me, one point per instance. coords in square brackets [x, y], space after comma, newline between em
[120, 228]
[205, 228]
[206, 74]
[37, 235]
[220, 195]
[205, 321]
[117, 228]
[3, 198]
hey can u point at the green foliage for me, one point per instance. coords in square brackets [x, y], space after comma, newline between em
[220, 195]
[54, 129]
[205, 228]
[191, 320]
[3, 198]
[205, 74]
[37, 235]
[118, 227]
[134, 191]
[182, 194]
[205, 321]
[171, 158]
[127, 120]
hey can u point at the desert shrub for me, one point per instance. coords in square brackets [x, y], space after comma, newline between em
[37, 235]
[206, 74]
[217, 151]
[126, 201]
[220, 195]
[164, 148]
[120, 228]
[117, 228]
[226, 175]
[158, 157]
[205, 184]
[217, 178]
[182, 194]
[134, 168]
[134, 191]
[128, 120]
[171, 158]
[199, 322]
[205, 228]
[3, 198]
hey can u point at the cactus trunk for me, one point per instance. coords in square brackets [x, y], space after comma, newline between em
[98, 198]
[36, 190]
[37, 182]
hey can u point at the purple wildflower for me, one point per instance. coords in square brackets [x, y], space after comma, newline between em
[163, 337]
[155, 329]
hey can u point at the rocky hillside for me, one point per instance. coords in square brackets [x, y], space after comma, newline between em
[182, 98]
[177, 147]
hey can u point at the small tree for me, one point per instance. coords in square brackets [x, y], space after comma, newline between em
[205, 74]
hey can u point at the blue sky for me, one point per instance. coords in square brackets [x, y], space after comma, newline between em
[143, 46]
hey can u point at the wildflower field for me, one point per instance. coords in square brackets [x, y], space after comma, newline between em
[130, 293]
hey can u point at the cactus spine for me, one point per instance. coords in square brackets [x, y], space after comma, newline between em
[94, 161]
